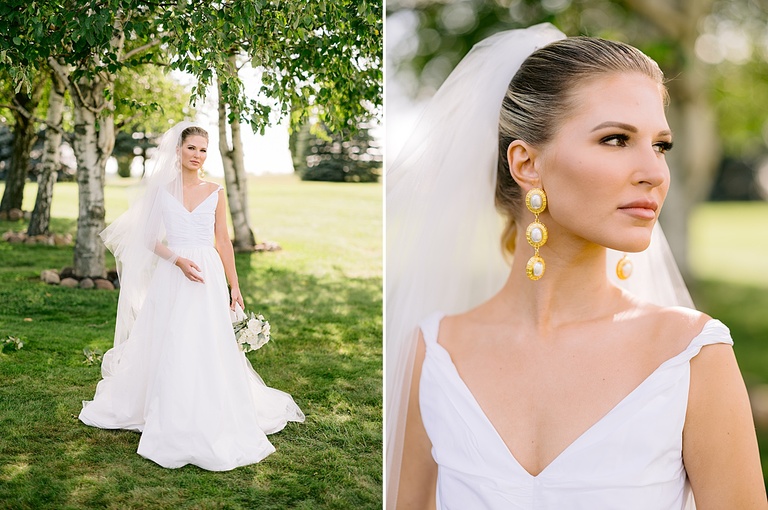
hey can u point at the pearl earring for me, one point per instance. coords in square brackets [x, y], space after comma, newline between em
[624, 268]
[536, 233]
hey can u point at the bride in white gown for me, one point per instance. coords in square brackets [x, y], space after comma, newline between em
[176, 373]
[543, 384]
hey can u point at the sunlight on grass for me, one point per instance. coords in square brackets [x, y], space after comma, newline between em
[323, 295]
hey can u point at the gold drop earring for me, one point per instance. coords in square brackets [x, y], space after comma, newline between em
[536, 233]
[624, 267]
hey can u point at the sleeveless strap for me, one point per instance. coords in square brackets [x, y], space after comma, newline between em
[430, 326]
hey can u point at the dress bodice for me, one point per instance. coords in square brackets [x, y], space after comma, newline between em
[189, 229]
[630, 459]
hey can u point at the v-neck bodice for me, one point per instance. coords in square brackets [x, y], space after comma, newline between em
[185, 228]
[631, 458]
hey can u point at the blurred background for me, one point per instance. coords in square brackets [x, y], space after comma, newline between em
[714, 54]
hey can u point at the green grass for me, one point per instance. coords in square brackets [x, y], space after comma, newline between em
[322, 294]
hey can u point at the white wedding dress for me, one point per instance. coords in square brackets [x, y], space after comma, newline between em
[180, 378]
[631, 459]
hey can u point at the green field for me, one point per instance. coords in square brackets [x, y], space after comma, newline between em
[323, 295]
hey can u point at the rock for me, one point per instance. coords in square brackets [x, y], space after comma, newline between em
[28, 239]
[267, 246]
[59, 240]
[112, 275]
[50, 276]
[42, 239]
[17, 237]
[4, 215]
[103, 284]
[67, 272]
[86, 283]
[15, 214]
[69, 282]
[8, 235]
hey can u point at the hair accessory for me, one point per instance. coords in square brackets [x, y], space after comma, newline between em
[624, 267]
[536, 233]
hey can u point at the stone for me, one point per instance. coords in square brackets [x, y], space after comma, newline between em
[17, 237]
[50, 276]
[112, 274]
[103, 284]
[86, 283]
[4, 215]
[67, 272]
[60, 240]
[15, 214]
[69, 282]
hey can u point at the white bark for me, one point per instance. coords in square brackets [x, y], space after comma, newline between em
[93, 143]
[41, 215]
[235, 178]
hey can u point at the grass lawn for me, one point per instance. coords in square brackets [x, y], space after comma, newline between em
[322, 294]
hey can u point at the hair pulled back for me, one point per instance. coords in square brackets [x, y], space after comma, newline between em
[540, 97]
[193, 131]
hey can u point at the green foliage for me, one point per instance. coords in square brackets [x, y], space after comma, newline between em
[338, 157]
[323, 296]
[322, 54]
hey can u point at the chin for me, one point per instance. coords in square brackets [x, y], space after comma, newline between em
[631, 242]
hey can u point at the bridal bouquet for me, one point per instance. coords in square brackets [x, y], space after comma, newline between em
[251, 330]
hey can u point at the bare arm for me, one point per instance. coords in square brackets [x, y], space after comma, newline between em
[418, 472]
[719, 443]
[226, 252]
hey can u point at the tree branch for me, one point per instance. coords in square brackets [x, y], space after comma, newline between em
[29, 116]
[140, 49]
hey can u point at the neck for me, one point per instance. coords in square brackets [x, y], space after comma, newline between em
[574, 286]
[190, 177]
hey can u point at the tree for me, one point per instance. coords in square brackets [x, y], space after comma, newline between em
[340, 157]
[23, 107]
[324, 54]
[41, 214]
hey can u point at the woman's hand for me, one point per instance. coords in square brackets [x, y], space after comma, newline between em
[237, 297]
[190, 269]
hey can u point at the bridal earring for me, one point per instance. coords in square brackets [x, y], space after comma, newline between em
[624, 268]
[536, 233]
[202, 173]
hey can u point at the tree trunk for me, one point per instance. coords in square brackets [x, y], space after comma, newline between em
[93, 144]
[234, 175]
[41, 215]
[94, 140]
[24, 138]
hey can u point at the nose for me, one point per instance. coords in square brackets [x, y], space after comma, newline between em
[652, 169]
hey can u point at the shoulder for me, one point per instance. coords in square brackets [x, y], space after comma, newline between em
[212, 186]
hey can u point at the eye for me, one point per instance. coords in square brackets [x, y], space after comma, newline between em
[616, 140]
[663, 147]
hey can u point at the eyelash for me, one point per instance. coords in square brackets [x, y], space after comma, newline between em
[662, 147]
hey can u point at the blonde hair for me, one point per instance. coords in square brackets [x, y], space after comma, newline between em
[540, 97]
[193, 131]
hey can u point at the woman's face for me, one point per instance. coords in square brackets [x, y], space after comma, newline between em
[194, 150]
[605, 172]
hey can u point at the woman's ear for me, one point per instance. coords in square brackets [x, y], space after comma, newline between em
[521, 158]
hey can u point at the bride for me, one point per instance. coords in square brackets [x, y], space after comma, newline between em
[548, 385]
[176, 373]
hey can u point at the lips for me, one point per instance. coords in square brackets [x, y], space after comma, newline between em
[641, 209]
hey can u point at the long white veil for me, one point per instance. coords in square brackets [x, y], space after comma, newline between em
[134, 236]
[443, 231]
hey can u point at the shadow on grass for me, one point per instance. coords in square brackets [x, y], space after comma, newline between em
[326, 352]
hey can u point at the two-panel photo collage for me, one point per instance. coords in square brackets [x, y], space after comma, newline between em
[400, 255]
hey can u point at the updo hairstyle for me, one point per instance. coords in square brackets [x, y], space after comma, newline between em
[192, 131]
[540, 97]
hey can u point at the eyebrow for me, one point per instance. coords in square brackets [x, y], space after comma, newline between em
[626, 127]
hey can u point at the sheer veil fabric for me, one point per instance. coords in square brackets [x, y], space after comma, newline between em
[133, 237]
[443, 231]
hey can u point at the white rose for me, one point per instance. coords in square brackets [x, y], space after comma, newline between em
[254, 326]
[265, 329]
